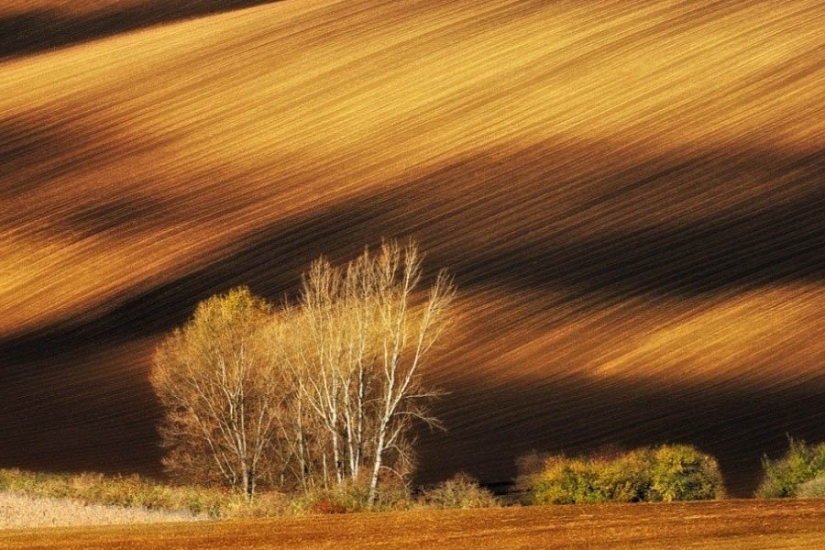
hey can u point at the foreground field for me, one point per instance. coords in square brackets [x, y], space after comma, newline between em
[719, 525]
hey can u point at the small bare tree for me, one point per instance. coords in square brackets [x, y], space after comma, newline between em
[223, 397]
[406, 334]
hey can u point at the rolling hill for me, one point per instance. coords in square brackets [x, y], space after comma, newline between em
[631, 196]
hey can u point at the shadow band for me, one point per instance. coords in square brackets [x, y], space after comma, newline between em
[43, 30]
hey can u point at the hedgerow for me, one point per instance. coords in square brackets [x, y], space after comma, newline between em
[666, 473]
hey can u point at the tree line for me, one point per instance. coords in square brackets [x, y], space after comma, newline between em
[320, 393]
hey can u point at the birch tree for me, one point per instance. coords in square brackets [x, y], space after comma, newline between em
[361, 338]
[405, 336]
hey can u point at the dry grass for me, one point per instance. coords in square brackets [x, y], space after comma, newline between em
[23, 512]
[721, 526]
[630, 195]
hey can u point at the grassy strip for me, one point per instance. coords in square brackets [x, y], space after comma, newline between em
[134, 491]
[130, 492]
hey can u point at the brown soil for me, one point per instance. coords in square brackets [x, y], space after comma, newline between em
[728, 525]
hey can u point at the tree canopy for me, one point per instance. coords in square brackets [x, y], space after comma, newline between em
[322, 392]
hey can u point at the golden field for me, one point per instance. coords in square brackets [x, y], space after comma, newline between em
[726, 525]
[630, 195]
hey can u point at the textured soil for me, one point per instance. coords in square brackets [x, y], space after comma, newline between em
[630, 195]
[737, 525]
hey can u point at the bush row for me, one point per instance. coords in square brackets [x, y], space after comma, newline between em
[666, 473]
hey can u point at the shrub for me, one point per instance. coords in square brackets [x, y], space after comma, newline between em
[664, 474]
[681, 472]
[567, 481]
[627, 478]
[785, 476]
[336, 500]
[460, 491]
[393, 495]
[348, 498]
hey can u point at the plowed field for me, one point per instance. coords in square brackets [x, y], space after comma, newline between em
[631, 195]
[720, 526]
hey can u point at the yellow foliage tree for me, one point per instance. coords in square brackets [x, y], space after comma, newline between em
[222, 394]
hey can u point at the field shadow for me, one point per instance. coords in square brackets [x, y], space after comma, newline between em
[43, 150]
[775, 245]
[84, 410]
[73, 421]
[24, 145]
[42, 156]
[503, 230]
[495, 222]
[44, 29]
[492, 426]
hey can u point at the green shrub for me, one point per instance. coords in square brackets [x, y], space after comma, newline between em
[681, 472]
[785, 476]
[567, 481]
[664, 474]
[460, 491]
[627, 478]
